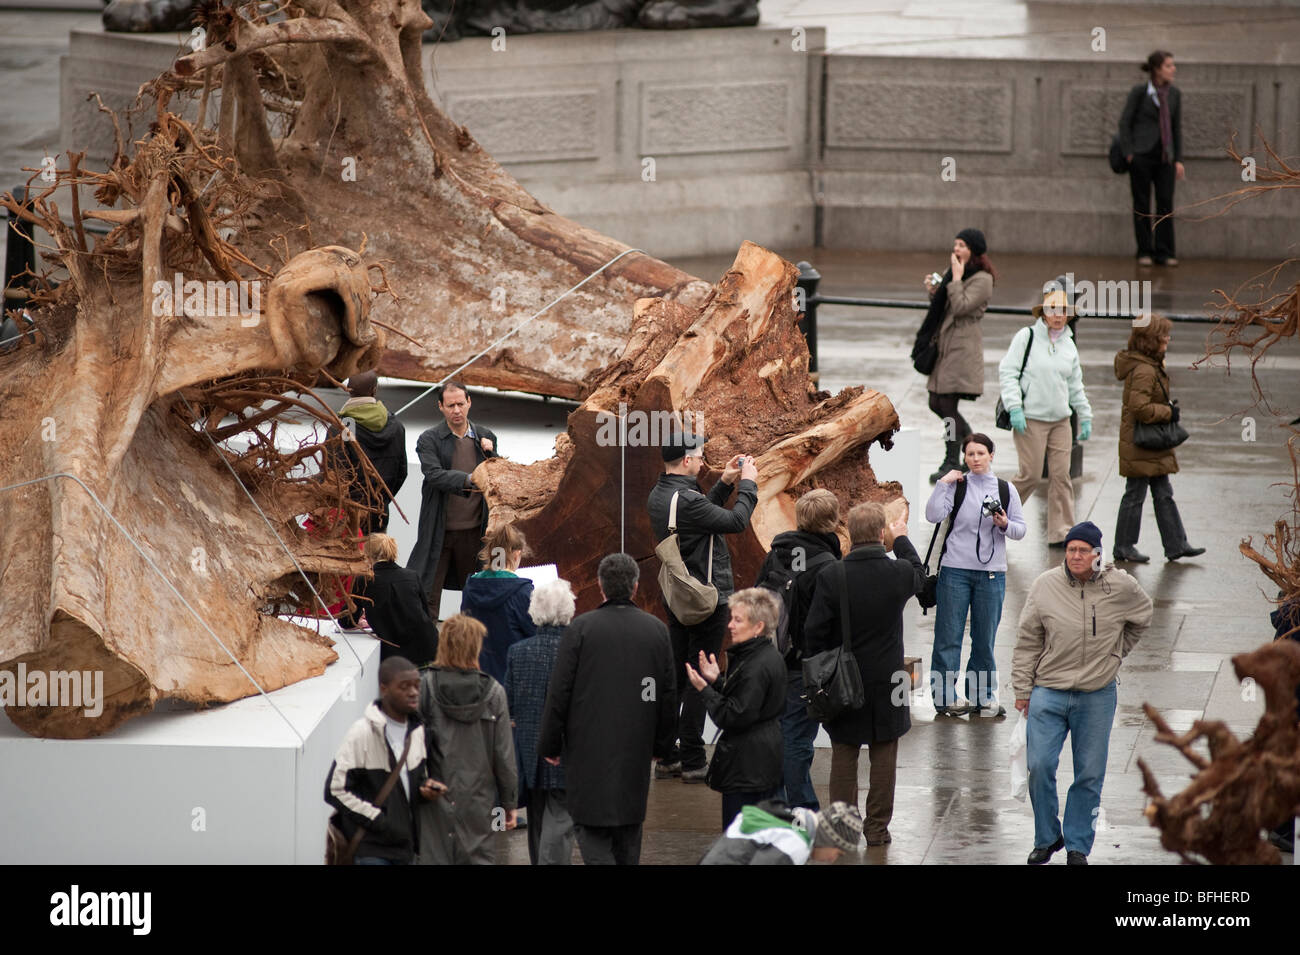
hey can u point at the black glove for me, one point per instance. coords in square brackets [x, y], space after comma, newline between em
[1173, 411]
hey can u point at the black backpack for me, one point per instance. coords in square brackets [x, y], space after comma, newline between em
[782, 581]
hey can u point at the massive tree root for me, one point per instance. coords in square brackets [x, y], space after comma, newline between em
[115, 394]
[735, 370]
[1244, 787]
[315, 137]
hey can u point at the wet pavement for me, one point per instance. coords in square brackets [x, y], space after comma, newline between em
[953, 804]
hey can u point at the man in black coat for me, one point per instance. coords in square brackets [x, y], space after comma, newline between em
[610, 709]
[702, 525]
[878, 588]
[453, 514]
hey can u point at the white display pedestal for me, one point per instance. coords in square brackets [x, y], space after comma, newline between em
[230, 784]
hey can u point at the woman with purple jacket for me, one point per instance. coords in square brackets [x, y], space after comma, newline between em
[984, 511]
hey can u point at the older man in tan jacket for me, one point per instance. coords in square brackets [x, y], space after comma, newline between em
[1079, 622]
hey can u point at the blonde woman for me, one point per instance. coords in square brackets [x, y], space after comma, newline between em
[467, 727]
[499, 597]
[1041, 381]
[747, 705]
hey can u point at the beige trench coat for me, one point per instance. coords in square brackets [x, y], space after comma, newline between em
[960, 368]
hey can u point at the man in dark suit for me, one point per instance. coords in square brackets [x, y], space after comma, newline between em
[610, 709]
[453, 514]
[878, 588]
[1151, 137]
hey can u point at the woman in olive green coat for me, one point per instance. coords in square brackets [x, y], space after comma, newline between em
[1141, 367]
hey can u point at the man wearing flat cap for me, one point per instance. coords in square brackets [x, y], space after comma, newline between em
[1079, 623]
[702, 523]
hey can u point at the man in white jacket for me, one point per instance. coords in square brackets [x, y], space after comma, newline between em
[1041, 380]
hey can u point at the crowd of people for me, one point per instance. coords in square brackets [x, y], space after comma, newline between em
[516, 701]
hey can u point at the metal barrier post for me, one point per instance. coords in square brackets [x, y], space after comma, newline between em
[809, 279]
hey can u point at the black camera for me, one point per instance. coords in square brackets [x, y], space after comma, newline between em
[992, 506]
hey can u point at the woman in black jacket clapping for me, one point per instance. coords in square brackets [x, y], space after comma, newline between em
[746, 766]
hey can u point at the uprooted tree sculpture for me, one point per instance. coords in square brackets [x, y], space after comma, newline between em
[154, 407]
[1247, 787]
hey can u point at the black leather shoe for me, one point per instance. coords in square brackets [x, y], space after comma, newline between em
[1075, 858]
[1040, 856]
[1129, 555]
[1187, 551]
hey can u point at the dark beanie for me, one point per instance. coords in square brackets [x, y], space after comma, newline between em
[974, 239]
[1087, 531]
[675, 448]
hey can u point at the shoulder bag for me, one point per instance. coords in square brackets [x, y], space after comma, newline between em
[339, 850]
[690, 601]
[1001, 416]
[1162, 435]
[832, 683]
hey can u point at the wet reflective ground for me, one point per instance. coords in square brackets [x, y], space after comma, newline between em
[953, 803]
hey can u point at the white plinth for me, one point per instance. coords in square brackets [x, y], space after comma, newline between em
[231, 784]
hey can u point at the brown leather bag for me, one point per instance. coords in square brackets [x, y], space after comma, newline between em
[339, 850]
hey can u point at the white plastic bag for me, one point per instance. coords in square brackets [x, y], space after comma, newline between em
[1018, 752]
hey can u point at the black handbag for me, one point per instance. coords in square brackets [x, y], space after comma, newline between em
[929, 595]
[1001, 416]
[1118, 162]
[832, 683]
[1160, 436]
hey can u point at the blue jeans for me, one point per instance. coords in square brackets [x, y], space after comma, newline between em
[798, 730]
[1087, 717]
[980, 592]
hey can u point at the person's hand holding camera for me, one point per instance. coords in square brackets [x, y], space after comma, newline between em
[748, 470]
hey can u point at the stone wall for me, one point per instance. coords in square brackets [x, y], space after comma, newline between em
[688, 143]
[1024, 145]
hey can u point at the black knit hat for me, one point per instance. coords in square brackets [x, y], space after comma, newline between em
[681, 441]
[1087, 532]
[974, 240]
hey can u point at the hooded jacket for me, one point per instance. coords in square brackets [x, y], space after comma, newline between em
[700, 519]
[1073, 634]
[470, 749]
[383, 440]
[499, 600]
[359, 770]
[1146, 387]
[1053, 379]
[782, 555]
